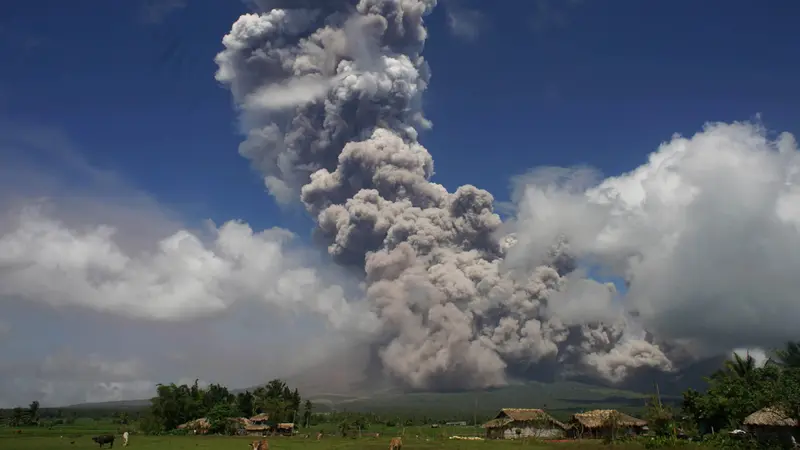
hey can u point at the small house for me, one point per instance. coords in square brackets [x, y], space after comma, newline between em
[605, 423]
[515, 423]
[771, 424]
[240, 423]
[197, 426]
[256, 430]
[286, 429]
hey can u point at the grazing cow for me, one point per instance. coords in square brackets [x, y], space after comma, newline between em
[260, 445]
[105, 439]
[319, 435]
[125, 439]
[396, 444]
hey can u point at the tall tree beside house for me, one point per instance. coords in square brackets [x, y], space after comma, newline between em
[33, 412]
[307, 411]
[276, 388]
[245, 403]
[294, 404]
[278, 400]
[19, 417]
[740, 367]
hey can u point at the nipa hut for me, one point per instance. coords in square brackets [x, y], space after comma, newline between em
[285, 428]
[773, 424]
[241, 424]
[198, 426]
[256, 430]
[604, 422]
[515, 423]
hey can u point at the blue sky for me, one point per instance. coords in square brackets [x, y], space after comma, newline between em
[594, 82]
[130, 90]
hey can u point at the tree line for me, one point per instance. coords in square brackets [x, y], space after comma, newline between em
[175, 404]
[738, 389]
[21, 417]
[742, 387]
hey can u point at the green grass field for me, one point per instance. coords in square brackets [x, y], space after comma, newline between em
[241, 443]
[79, 436]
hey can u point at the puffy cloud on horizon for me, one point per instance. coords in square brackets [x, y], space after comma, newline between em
[705, 234]
[91, 266]
[43, 260]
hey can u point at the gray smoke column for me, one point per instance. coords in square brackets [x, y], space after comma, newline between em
[330, 94]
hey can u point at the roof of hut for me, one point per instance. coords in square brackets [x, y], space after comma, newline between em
[770, 417]
[259, 417]
[286, 425]
[497, 423]
[508, 415]
[255, 428]
[201, 423]
[599, 417]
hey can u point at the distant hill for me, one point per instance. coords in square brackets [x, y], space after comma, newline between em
[561, 396]
[116, 405]
[342, 384]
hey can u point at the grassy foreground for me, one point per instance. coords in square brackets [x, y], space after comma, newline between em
[83, 441]
[241, 443]
[79, 436]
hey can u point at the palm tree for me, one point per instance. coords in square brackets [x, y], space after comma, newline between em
[789, 356]
[737, 367]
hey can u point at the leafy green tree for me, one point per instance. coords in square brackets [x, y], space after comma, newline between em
[660, 418]
[150, 424]
[33, 413]
[276, 388]
[174, 405]
[738, 391]
[18, 417]
[307, 412]
[790, 355]
[737, 367]
[219, 416]
[245, 403]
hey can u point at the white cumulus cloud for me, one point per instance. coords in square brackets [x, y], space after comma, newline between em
[706, 234]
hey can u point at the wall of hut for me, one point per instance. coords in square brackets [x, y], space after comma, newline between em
[520, 430]
[782, 435]
[578, 431]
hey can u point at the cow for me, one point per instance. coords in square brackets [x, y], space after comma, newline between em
[260, 445]
[396, 444]
[105, 439]
[319, 435]
[125, 439]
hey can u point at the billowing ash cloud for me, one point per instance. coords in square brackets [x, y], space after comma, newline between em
[453, 313]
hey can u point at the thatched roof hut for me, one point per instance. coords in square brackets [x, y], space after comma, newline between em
[507, 415]
[600, 418]
[511, 423]
[201, 424]
[770, 417]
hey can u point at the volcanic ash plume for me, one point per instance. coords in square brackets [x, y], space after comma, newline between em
[330, 93]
